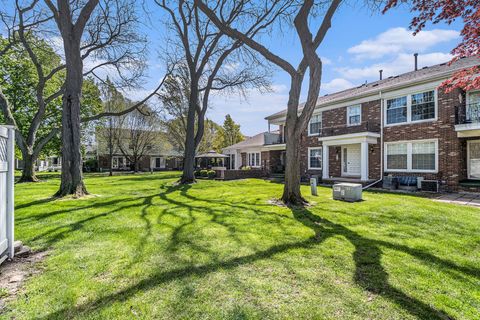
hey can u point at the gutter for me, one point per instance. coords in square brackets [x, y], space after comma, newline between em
[406, 84]
[381, 144]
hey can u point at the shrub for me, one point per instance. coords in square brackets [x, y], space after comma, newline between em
[211, 174]
[246, 168]
[204, 173]
[197, 173]
[90, 165]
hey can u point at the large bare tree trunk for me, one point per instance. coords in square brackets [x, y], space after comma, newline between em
[29, 157]
[188, 175]
[295, 123]
[110, 148]
[28, 171]
[110, 167]
[72, 176]
[291, 191]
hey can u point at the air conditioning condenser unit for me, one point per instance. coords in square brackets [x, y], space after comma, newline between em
[350, 192]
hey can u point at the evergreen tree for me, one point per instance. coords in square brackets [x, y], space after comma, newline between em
[230, 133]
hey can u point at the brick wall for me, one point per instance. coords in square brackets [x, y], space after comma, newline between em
[243, 174]
[103, 162]
[305, 143]
[275, 162]
[451, 152]
[337, 120]
[374, 161]
[335, 161]
[171, 163]
[144, 163]
[265, 160]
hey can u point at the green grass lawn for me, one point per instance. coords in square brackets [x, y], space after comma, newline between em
[140, 248]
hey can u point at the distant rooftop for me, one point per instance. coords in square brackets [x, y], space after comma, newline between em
[261, 139]
[423, 74]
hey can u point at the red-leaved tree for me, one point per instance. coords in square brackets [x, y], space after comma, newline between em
[447, 11]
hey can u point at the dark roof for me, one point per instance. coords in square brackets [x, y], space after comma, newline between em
[424, 74]
[260, 139]
[256, 140]
[211, 154]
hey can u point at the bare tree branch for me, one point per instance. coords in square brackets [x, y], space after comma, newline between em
[136, 106]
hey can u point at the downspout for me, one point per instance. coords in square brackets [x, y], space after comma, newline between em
[381, 145]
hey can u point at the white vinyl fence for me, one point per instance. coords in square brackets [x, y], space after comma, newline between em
[7, 162]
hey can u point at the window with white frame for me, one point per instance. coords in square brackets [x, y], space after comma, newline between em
[423, 106]
[411, 108]
[119, 162]
[397, 156]
[397, 110]
[315, 124]
[473, 106]
[423, 156]
[354, 115]
[315, 158]
[414, 156]
[254, 159]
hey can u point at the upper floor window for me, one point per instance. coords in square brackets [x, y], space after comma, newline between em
[473, 106]
[423, 106]
[354, 115]
[397, 110]
[411, 108]
[315, 124]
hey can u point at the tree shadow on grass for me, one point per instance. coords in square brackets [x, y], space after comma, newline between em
[369, 272]
[60, 232]
[35, 202]
[176, 274]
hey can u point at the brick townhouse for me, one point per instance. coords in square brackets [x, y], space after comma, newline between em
[158, 154]
[403, 126]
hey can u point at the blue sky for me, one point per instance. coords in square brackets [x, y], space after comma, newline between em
[356, 47]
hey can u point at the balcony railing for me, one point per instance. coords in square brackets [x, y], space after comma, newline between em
[469, 113]
[366, 126]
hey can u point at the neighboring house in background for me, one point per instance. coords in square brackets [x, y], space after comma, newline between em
[158, 155]
[402, 126]
[265, 150]
[50, 163]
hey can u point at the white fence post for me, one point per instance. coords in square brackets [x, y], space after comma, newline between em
[10, 188]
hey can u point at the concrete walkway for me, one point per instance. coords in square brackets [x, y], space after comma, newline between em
[469, 199]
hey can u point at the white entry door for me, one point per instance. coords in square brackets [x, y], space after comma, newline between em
[351, 160]
[474, 159]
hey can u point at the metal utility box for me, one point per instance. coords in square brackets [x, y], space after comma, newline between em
[350, 192]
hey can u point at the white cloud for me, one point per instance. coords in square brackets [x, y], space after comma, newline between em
[249, 113]
[326, 61]
[400, 64]
[337, 84]
[397, 40]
